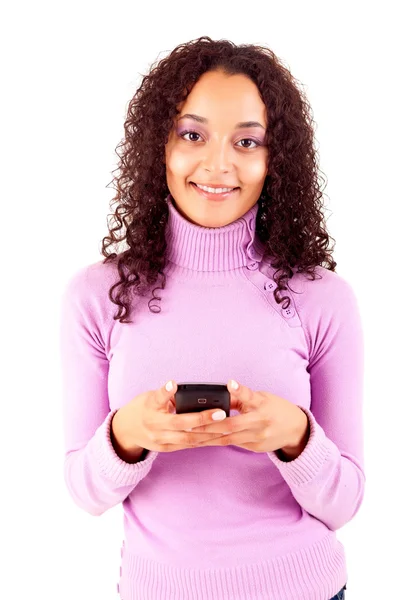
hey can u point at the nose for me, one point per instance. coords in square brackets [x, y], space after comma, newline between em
[218, 156]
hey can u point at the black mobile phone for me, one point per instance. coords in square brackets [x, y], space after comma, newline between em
[193, 397]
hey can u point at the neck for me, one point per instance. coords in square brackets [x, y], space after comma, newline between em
[198, 248]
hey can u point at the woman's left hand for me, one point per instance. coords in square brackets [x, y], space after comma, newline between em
[266, 423]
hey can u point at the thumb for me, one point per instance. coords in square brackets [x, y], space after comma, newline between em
[166, 394]
[170, 388]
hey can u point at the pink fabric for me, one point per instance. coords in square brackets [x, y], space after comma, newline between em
[218, 523]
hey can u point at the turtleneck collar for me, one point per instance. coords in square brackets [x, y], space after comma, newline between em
[201, 248]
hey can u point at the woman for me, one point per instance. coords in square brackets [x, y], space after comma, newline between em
[220, 200]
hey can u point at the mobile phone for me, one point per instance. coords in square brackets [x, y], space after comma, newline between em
[193, 397]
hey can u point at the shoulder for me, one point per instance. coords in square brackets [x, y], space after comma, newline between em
[86, 312]
[328, 309]
[327, 301]
[91, 279]
[328, 292]
[86, 289]
[327, 287]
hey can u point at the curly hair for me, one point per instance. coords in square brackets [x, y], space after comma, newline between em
[290, 221]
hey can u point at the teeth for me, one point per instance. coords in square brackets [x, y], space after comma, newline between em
[214, 190]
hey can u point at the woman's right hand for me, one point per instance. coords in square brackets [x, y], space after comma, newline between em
[149, 422]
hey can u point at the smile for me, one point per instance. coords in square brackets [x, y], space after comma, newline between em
[212, 194]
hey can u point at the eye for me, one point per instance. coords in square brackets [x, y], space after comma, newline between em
[249, 140]
[182, 135]
[189, 131]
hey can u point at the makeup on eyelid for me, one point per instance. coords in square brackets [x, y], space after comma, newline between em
[182, 132]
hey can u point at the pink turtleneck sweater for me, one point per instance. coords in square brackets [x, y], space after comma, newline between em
[219, 523]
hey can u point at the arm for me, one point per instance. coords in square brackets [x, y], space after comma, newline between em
[327, 476]
[95, 473]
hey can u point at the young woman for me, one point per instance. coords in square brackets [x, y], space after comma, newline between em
[219, 205]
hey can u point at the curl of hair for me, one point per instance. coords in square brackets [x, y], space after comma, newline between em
[290, 220]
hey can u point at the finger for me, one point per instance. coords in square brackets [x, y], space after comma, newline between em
[184, 444]
[188, 421]
[235, 404]
[243, 397]
[235, 439]
[241, 422]
[180, 440]
[165, 396]
[223, 440]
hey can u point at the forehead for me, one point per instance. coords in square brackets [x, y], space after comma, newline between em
[230, 99]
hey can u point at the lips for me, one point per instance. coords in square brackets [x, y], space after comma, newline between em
[221, 186]
[214, 197]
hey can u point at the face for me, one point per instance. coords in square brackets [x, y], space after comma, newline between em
[218, 151]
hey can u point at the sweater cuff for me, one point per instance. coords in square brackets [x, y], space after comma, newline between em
[111, 466]
[307, 465]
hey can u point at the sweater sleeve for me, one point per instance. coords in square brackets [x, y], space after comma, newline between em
[327, 478]
[95, 476]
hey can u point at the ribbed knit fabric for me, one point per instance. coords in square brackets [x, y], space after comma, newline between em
[219, 522]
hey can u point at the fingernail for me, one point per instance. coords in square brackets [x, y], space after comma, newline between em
[235, 384]
[169, 386]
[218, 416]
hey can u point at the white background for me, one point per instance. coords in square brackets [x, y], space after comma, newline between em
[69, 70]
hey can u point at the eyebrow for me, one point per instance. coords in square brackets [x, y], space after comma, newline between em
[238, 125]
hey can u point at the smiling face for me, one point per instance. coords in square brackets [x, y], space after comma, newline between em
[218, 151]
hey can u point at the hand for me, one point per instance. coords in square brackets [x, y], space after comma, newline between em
[267, 423]
[146, 422]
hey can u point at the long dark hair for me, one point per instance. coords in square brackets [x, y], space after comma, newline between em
[289, 221]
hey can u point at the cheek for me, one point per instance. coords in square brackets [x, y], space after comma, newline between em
[255, 171]
[179, 163]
